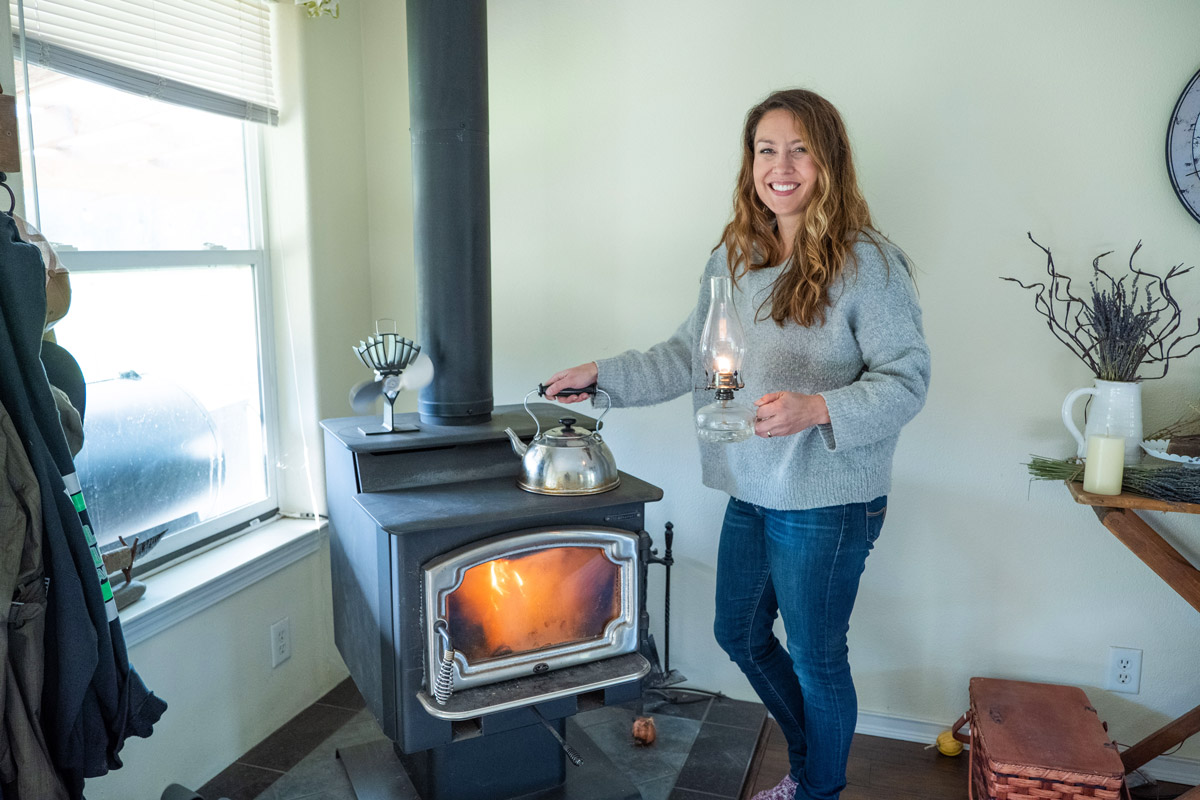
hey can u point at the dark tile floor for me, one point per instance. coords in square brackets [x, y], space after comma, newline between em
[889, 769]
[703, 750]
[707, 749]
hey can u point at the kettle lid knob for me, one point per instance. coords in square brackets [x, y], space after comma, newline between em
[567, 422]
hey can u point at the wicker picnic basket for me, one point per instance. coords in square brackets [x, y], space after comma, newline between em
[1037, 741]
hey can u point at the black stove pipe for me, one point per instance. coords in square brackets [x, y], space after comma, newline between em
[447, 84]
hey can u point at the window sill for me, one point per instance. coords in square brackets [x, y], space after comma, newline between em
[179, 591]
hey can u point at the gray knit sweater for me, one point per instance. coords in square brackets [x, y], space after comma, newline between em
[869, 361]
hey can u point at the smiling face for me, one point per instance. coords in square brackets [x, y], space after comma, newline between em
[785, 174]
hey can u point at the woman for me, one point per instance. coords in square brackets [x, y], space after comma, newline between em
[837, 358]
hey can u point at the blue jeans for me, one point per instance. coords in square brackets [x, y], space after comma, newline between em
[804, 565]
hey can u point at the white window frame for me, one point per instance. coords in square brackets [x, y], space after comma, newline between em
[220, 528]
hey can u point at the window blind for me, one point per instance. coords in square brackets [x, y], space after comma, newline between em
[214, 55]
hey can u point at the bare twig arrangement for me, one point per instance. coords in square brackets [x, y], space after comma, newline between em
[1176, 483]
[1187, 425]
[1124, 328]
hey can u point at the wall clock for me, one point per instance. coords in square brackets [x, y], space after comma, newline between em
[1183, 147]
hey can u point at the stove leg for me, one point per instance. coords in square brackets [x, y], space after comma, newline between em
[376, 773]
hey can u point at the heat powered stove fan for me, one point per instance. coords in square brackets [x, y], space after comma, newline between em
[398, 365]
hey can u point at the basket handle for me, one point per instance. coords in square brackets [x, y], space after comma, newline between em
[970, 768]
[956, 729]
[956, 732]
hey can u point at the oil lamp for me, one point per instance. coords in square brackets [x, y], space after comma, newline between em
[722, 347]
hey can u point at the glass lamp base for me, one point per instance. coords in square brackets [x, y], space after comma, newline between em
[724, 422]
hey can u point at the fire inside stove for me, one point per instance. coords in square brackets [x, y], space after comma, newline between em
[531, 602]
[548, 598]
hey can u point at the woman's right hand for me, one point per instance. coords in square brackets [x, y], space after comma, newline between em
[573, 378]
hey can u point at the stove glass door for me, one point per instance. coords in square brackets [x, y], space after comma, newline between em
[547, 598]
[534, 601]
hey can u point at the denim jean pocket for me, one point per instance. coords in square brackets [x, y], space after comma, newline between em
[876, 511]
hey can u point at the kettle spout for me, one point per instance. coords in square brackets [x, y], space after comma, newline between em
[518, 446]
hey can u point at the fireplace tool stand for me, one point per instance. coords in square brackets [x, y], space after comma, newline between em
[661, 675]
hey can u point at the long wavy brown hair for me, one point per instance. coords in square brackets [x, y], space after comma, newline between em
[836, 214]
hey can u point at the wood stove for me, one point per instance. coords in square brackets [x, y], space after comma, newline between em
[473, 615]
[467, 609]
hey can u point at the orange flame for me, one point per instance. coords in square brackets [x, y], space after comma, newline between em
[537, 600]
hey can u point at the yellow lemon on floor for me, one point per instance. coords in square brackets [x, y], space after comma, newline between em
[947, 745]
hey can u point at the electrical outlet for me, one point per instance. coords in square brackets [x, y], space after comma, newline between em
[1124, 670]
[281, 642]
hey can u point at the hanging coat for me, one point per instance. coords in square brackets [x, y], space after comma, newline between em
[26, 768]
[92, 698]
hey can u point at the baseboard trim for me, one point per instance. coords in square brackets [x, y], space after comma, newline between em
[1163, 768]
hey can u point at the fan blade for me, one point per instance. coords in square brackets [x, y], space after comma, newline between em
[363, 396]
[418, 375]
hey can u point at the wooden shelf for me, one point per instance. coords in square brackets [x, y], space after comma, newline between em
[1133, 501]
[1118, 514]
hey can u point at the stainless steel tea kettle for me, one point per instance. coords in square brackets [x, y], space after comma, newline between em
[567, 460]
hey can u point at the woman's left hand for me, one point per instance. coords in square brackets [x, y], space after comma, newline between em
[785, 413]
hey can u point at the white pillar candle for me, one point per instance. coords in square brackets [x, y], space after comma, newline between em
[1104, 466]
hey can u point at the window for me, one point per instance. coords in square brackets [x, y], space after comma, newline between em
[156, 209]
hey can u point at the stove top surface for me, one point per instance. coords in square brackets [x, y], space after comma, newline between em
[347, 429]
[401, 511]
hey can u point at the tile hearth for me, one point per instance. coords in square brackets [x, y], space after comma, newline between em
[703, 750]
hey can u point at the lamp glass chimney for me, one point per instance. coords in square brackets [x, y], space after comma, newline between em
[723, 342]
[722, 348]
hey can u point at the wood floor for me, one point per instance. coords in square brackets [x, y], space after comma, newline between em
[887, 769]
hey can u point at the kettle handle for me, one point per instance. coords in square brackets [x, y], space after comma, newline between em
[608, 408]
[541, 391]
[536, 421]
[589, 389]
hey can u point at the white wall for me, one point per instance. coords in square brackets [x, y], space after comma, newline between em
[318, 224]
[614, 134]
[389, 156]
[614, 141]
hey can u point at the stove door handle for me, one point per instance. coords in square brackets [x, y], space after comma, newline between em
[443, 684]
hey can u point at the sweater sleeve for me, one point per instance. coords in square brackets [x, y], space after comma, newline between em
[886, 321]
[661, 373]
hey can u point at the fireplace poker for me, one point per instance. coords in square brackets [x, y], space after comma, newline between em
[571, 752]
[666, 561]
[660, 676]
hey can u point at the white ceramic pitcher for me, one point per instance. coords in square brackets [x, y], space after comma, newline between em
[1116, 410]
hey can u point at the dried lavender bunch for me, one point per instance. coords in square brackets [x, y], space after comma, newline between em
[1175, 483]
[1056, 469]
[1124, 327]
